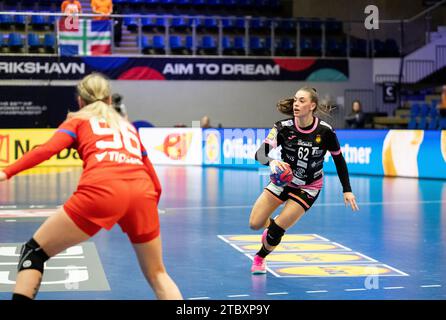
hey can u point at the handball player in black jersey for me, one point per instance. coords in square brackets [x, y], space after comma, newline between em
[304, 140]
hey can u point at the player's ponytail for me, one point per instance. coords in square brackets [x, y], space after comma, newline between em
[94, 91]
[285, 106]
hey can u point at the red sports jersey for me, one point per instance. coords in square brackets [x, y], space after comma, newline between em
[108, 154]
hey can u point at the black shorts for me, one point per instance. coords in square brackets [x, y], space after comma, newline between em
[304, 197]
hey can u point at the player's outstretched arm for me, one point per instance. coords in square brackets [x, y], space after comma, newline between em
[54, 145]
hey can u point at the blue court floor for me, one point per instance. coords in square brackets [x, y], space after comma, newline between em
[393, 248]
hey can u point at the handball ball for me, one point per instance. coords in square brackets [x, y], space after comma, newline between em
[281, 178]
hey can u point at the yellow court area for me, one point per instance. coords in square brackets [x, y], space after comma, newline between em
[336, 271]
[286, 238]
[315, 257]
[311, 255]
[304, 246]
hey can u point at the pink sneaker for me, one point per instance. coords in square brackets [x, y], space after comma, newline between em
[258, 265]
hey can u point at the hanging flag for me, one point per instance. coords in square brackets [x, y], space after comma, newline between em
[84, 37]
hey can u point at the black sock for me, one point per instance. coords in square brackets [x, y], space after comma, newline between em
[263, 252]
[18, 296]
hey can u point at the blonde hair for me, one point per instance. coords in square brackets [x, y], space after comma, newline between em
[94, 90]
[285, 106]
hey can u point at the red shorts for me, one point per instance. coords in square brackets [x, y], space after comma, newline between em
[130, 203]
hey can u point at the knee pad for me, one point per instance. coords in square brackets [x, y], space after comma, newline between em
[32, 257]
[275, 234]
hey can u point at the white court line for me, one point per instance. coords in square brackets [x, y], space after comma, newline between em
[431, 286]
[318, 291]
[199, 298]
[231, 244]
[366, 257]
[320, 237]
[10, 220]
[337, 204]
[276, 293]
[238, 295]
[396, 270]
[348, 290]
[393, 288]
[340, 245]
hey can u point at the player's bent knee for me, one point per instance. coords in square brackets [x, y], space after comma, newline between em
[275, 234]
[255, 225]
[32, 257]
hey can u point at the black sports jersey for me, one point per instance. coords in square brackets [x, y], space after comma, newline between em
[304, 150]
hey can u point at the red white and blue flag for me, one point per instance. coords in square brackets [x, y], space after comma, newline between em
[85, 38]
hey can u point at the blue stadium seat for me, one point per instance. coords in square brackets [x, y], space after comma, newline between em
[15, 41]
[259, 24]
[179, 24]
[199, 3]
[168, 3]
[211, 24]
[287, 47]
[286, 26]
[49, 42]
[176, 43]
[135, 3]
[131, 24]
[20, 21]
[240, 24]
[38, 22]
[34, 43]
[310, 47]
[336, 48]
[310, 27]
[184, 3]
[208, 45]
[214, 3]
[425, 110]
[433, 120]
[144, 43]
[189, 43]
[2, 42]
[198, 23]
[230, 4]
[239, 44]
[442, 123]
[226, 44]
[257, 46]
[414, 112]
[153, 24]
[228, 23]
[158, 44]
[6, 21]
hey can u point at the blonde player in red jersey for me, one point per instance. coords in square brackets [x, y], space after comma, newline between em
[118, 185]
